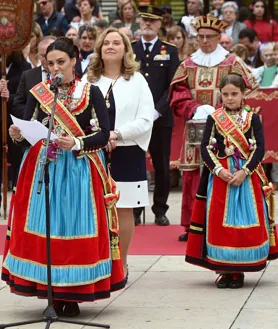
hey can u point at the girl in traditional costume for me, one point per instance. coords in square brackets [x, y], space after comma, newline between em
[232, 229]
[86, 262]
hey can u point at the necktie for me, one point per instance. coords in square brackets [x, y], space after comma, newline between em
[147, 50]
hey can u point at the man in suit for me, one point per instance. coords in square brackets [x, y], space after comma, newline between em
[30, 78]
[159, 61]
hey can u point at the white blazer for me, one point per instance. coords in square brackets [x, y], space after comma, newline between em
[134, 109]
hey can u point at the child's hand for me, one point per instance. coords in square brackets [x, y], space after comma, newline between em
[225, 175]
[238, 178]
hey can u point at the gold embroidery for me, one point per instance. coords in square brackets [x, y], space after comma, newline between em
[196, 228]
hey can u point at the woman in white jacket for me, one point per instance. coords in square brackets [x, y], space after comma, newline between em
[131, 110]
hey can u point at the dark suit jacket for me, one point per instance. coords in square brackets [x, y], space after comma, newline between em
[159, 74]
[28, 80]
[13, 77]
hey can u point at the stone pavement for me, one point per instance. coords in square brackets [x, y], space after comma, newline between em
[164, 292]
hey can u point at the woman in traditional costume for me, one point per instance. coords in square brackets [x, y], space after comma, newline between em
[86, 262]
[130, 106]
[232, 229]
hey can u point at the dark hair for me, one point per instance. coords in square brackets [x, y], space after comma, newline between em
[55, 32]
[266, 16]
[248, 33]
[166, 8]
[92, 3]
[235, 80]
[102, 23]
[65, 45]
[89, 29]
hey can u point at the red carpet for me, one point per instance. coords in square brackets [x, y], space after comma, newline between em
[157, 240]
[147, 240]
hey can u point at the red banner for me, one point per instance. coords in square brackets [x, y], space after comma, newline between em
[265, 102]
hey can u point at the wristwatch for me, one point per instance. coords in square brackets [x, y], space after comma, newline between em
[118, 134]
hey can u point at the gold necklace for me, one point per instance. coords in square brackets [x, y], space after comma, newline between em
[108, 93]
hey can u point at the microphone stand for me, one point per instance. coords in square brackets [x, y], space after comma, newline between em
[49, 314]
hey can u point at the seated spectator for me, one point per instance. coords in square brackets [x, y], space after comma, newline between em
[229, 11]
[194, 9]
[192, 45]
[266, 73]
[275, 56]
[86, 8]
[241, 51]
[266, 28]
[128, 13]
[137, 35]
[127, 32]
[216, 11]
[177, 36]
[226, 42]
[87, 36]
[115, 15]
[50, 19]
[72, 12]
[30, 52]
[243, 14]
[249, 38]
[101, 25]
[73, 34]
[36, 38]
[167, 19]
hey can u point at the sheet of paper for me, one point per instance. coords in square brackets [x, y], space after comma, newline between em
[32, 131]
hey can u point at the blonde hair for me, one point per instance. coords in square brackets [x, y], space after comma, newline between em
[37, 32]
[240, 51]
[133, 5]
[275, 48]
[96, 66]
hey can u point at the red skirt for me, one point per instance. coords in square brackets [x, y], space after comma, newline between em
[218, 246]
[78, 253]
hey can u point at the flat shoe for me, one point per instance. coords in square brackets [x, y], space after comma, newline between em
[223, 281]
[71, 309]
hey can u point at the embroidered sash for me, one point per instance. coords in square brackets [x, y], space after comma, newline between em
[69, 123]
[229, 129]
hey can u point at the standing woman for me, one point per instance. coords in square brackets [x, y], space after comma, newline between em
[177, 36]
[261, 22]
[86, 8]
[131, 110]
[86, 262]
[232, 228]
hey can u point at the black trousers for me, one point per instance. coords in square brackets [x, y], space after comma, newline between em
[160, 150]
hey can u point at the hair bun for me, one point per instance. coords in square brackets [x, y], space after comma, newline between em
[67, 40]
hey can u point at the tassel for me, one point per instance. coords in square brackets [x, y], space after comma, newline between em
[272, 236]
[115, 249]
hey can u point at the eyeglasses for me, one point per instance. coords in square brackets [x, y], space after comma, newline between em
[208, 36]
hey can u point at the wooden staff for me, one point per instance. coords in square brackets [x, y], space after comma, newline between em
[4, 142]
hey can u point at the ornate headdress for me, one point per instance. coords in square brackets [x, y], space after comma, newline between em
[210, 22]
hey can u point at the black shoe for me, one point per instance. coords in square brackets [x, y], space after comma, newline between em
[161, 220]
[237, 281]
[71, 309]
[183, 237]
[59, 307]
[137, 220]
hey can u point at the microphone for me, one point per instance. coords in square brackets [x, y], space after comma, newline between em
[56, 81]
